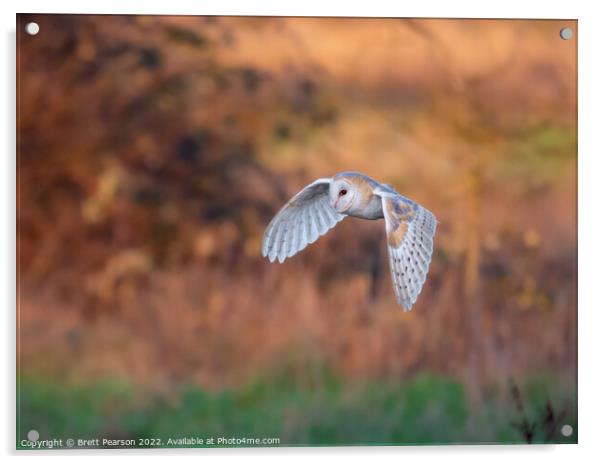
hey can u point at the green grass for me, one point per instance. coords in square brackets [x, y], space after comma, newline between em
[422, 410]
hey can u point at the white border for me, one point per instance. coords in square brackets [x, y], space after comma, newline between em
[590, 198]
[444, 9]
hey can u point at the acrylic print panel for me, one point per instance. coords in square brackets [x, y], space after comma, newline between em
[154, 154]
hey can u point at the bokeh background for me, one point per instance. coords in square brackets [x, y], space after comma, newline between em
[154, 150]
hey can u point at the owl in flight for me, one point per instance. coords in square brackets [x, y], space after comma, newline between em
[322, 204]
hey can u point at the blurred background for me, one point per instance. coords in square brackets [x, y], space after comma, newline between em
[153, 152]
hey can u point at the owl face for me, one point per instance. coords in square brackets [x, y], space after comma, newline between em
[342, 194]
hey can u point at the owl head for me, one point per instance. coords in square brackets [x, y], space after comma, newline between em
[342, 193]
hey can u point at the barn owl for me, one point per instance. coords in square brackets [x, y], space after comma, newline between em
[319, 206]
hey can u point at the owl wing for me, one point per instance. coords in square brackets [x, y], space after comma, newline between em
[305, 217]
[410, 233]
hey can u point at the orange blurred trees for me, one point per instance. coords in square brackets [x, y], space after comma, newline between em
[458, 111]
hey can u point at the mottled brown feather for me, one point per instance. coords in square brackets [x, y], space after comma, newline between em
[399, 217]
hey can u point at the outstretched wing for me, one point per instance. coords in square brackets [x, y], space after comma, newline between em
[410, 232]
[306, 216]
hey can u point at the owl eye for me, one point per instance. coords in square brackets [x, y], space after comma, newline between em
[343, 192]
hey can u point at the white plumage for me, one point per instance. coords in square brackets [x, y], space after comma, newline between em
[322, 204]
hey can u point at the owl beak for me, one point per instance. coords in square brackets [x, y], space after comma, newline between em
[336, 204]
